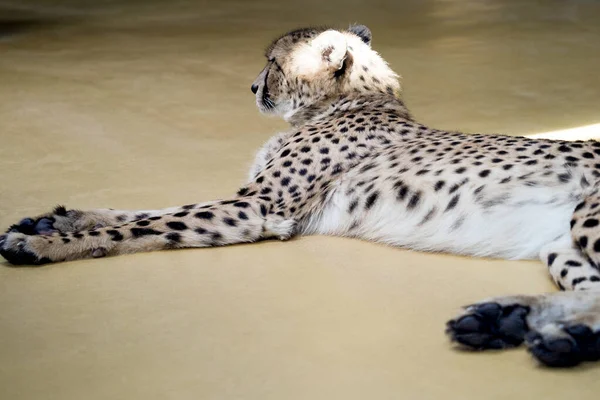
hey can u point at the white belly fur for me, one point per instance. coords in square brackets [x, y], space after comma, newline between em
[516, 229]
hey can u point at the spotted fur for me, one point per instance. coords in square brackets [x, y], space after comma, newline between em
[355, 163]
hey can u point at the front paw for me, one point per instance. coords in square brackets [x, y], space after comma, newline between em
[30, 226]
[14, 247]
[41, 225]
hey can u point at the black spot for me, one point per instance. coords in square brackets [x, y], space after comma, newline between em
[583, 241]
[564, 272]
[551, 258]
[243, 191]
[572, 263]
[241, 204]
[453, 202]
[173, 237]
[402, 192]
[594, 279]
[77, 235]
[564, 178]
[142, 216]
[93, 233]
[460, 170]
[287, 163]
[138, 232]
[155, 218]
[177, 225]
[352, 206]
[285, 153]
[587, 155]
[204, 215]
[579, 206]
[371, 200]
[484, 173]
[590, 223]
[305, 149]
[65, 240]
[560, 286]
[200, 231]
[564, 148]
[181, 214]
[507, 167]
[414, 200]
[115, 235]
[230, 221]
[439, 185]
[242, 215]
[577, 281]
[572, 223]
[310, 178]
[144, 222]
[216, 238]
[263, 210]
[307, 161]
[188, 206]
[121, 218]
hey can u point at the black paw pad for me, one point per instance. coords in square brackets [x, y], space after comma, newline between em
[587, 340]
[22, 257]
[490, 326]
[27, 226]
[582, 345]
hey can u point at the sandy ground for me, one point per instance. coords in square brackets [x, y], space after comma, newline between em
[147, 104]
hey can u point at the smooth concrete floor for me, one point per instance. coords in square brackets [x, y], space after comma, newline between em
[142, 105]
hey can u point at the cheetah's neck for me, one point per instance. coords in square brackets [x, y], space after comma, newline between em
[349, 103]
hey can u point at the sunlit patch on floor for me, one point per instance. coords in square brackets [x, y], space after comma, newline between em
[580, 133]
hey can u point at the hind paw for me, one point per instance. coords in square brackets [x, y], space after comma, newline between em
[564, 345]
[489, 326]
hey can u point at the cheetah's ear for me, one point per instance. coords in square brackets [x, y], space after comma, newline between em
[333, 48]
[362, 32]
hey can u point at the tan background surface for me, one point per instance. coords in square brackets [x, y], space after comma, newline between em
[143, 105]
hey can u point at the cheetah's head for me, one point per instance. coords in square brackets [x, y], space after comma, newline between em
[308, 66]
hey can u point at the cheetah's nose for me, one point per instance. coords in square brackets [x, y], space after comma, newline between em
[254, 88]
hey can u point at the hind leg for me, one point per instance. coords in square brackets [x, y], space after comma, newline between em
[569, 267]
[585, 228]
[561, 329]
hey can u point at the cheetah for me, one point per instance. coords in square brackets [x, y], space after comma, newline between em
[355, 163]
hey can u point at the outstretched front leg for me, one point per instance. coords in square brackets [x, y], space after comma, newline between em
[70, 235]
